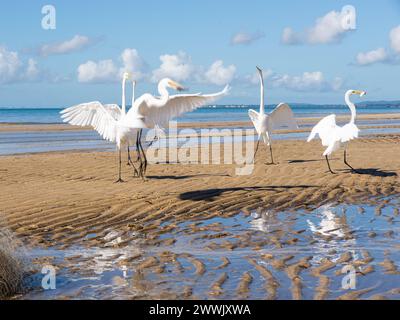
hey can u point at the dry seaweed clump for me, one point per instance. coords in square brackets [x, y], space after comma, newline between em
[12, 269]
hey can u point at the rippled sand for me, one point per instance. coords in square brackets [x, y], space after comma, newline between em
[66, 200]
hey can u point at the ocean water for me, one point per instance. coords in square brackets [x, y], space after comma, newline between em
[205, 114]
[34, 142]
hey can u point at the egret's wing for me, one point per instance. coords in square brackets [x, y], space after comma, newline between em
[282, 117]
[114, 110]
[254, 116]
[156, 114]
[92, 114]
[325, 129]
[348, 132]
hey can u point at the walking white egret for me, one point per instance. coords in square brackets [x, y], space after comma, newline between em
[333, 136]
[281, 117]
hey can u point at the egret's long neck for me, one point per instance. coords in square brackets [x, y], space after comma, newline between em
[352, 108]
[262, 107]
[162, 89]
[133, 93]
[123, 97]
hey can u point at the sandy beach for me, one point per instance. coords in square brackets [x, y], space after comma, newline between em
[62, 200]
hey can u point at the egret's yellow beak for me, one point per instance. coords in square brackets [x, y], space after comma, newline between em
[359, 92]
[176, 85]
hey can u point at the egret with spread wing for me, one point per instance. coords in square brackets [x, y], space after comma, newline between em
[149, 111]
[108, 120]
[333, 136]
[281, 117]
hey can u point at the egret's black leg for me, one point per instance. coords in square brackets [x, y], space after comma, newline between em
[255, 153]
[139, 158]
[130, 162]
[346, 163]
[129, 157]
[137, 146]
[329, 166]
[270, 151]
[144, 155]
[119, 166]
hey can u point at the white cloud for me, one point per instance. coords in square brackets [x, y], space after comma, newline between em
[13, 69]
[77, 43]
[290, 37]
[181, 68]
[108, 71]
[308, 81]
[32, 70]
[327, 29]
[220, 75]
[255, 78]
[9, 65]
[133, 63]
[395, 39]
[246, 38]
[370, 57]
[381, 54]
[98, 72]
[177, 66]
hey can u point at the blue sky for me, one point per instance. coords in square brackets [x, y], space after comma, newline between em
[203, 44]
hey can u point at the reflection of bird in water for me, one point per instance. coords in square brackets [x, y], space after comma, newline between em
[328, 226]
[331, 225]
[264, 221]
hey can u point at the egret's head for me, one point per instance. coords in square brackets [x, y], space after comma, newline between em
[174, 85]
[358, 92]
[259, 69]
[126, 76]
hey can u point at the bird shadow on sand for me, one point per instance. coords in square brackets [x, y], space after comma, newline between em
[373, 172]
[168, 177]
[211, 194]
[302, 161]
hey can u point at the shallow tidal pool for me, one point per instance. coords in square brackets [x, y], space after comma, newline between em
[348, 251]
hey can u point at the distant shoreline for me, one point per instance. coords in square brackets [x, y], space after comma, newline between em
[38, 127]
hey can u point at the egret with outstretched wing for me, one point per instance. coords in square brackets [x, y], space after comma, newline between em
[107, 120]
[149, 111]
[281, 117]
[333, 136]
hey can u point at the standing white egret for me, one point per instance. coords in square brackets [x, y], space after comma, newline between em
[281, 117]
[118, 112]
[333, 136]
[149, 111]
[108, 120]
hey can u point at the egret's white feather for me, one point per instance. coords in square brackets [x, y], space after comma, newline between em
[282, 117]
[154, 113]
[92, 114]
[324, 129]
[333, 136]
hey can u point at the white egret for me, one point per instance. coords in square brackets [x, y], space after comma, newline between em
[149, 111]
[333, 136]
[108, 120]
[118, 112]
[281, 117]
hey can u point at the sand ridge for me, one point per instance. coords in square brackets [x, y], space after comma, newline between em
[62, 197]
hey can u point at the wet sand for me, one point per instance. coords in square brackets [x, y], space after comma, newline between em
[15, 127]
[69, 199]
